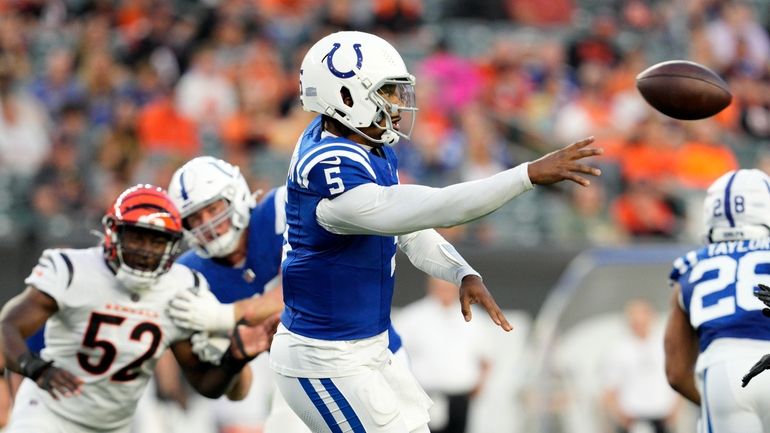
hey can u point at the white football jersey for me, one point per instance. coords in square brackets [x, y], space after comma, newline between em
[104, 334]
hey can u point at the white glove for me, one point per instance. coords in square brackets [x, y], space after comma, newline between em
[201, 312]
[209, 348]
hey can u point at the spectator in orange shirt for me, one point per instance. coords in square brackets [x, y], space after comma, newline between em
[398, 15]
[162, 129]
[537, 13]
[703, 158]
[650, 154]
[642, 211]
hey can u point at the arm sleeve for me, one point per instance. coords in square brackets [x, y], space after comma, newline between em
[52, 275]
[431, 253]
[401, 209]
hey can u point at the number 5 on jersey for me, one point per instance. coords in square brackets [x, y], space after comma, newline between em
[336, 181]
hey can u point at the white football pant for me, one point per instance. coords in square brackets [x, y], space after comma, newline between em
[30, 415]
[386, 400]
[728, 408]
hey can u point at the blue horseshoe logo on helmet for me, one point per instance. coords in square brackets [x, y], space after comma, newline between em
[350, 73]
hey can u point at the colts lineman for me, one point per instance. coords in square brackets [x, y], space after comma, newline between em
[347, 214]
[236, 244]
[107, 326]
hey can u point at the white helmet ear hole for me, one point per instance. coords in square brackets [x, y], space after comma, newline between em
[347, 98]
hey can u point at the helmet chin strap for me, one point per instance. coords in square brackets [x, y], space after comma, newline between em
[390, 137]
[133, 281]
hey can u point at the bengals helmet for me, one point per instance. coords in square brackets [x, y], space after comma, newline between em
[142, 233]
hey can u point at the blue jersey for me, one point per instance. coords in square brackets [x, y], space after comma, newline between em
[335, 287]
[263, 259]
[717, 284]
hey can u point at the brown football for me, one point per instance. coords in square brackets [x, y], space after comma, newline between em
[683, 90]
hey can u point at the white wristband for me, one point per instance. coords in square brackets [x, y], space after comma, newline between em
[224, 319]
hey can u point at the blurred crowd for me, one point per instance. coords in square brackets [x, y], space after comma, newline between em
[99, 94]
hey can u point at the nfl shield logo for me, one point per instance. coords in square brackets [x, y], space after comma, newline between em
[249, 275]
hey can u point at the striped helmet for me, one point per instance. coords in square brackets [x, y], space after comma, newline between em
[146, 215]
[737, 206]
[201, 182]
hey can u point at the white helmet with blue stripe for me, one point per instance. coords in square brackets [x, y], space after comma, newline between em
[203, 181]
[370, 69]
[737, 206]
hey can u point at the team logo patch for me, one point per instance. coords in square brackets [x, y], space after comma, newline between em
[332, 161]
[155, 219]
[335, 71]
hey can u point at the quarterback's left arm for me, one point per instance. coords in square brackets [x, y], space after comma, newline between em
[432, 254]
[213, 381]
[681, 348]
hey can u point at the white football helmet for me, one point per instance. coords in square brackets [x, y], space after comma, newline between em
[369, 68]
[202, 181]
[737, 206]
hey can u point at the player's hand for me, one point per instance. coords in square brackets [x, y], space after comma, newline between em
[761, 365]
[250, 341]
[473, 291]
[201, 311]
[58, 382]
[209, 348]
[564, 164]
[762, 292]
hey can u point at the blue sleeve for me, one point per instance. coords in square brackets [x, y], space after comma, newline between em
[681, 266]
[189, 259]
[266, 235]
[266, 210]
[680, 274]
[36, 342]
[337, 169]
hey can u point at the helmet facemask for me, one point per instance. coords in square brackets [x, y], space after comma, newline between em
[205, 237]
[404, 110]
[140, 254]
